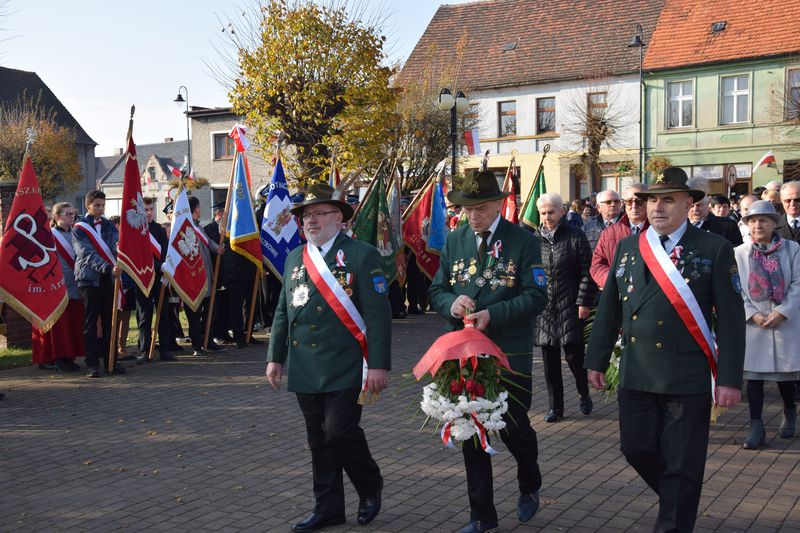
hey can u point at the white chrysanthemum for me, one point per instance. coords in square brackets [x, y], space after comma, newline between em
[300, 296]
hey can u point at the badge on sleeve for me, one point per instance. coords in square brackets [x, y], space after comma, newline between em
[379, 284]
[737, 283]
[539, 277]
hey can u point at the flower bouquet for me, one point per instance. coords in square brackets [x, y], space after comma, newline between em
[465, 395]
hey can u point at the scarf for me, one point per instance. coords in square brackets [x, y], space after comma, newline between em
[766, 276]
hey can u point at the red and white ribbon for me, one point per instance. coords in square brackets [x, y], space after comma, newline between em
[340, 258]
[64, 247]
[483, 438]
[155, 246]
[497, 247]
[339, 301]
[97, 241]
[680, 296]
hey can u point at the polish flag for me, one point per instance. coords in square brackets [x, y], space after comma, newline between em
[174, 171]
[473, 142]
[767, 159]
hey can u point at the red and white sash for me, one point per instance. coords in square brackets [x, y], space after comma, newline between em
[64, 247]
[155, 246]
[679, 295]
[339, 301]
[97, 241]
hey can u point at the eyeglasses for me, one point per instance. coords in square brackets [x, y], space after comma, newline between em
[791, 200]
[317, 214]
[634, 201]
[609, 202]
[67, 214]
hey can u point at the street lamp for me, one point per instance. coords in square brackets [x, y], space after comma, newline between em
[456, 105]
[179, 100]
[638, 42]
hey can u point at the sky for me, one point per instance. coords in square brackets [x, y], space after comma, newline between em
[101, 56]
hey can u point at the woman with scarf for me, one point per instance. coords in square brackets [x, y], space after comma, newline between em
[770, 276]
[566, 256]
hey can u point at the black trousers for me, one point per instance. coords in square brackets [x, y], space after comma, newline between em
[97, 302]
[574, 355]
[239, 293]
[664, 437]
[197, 323]
[221, 325]
[145, 306]
[520, 439]
[337, 444]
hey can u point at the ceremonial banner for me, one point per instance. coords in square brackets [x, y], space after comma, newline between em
[439, 227]
[530, 213]
[183, 266]
[767, 159]
[416, 228]
[373, 225]
[280, 233]
[472, 141]
[134, 254]
[174, 171]
[396, 218]
[31, 280]
[242, 229]
[509, 210]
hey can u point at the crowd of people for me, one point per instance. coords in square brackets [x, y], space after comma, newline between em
[689, 284]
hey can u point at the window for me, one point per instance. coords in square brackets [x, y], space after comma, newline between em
[735, 99]
[224, 147]
[680, 96]
[793, 95]
[545, 115]
[507, 118]
[597, 104]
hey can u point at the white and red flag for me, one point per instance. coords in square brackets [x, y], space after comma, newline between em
[509, 211]
[767, 159]
[174, 171]
[472, 141]
[183, 266]
[31, 280]
[134, 255]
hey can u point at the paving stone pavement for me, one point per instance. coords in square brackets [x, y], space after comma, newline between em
[204, 444]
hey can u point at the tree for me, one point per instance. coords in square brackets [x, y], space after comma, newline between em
[316, 73]
[53, 152]
[422, 135]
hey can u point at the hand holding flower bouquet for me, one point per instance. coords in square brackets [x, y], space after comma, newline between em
[466, 395]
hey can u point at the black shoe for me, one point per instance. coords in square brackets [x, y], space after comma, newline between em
[126, 357]
[527, 505]
[478, 526]
[214, 347]
[224, 340]
[118, 370]
[175, 347]
[240, 345]
[587, 405]
[47, 366]
[368, 508]
[167, 357]
[198, 352]
[553, 415]
[315, 521]
[416, 312]
[253, 340]
[398, 315]
[93, 372]
[142, 359]
[66, 365]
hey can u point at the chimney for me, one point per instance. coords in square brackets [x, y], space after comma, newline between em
[168, 139]
[118, 151]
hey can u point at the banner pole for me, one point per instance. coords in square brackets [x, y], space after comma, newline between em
[154, 331]
[112, 350]
[249, 330]
[535, 178]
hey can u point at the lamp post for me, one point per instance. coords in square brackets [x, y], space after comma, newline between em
[180, 100]
[456, 105]
[638, 42]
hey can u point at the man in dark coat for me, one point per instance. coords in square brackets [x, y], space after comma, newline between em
[326, 359]
[502, 292]
[789, 226]
[701, 217]
[665, 392]
[609, 207]
[221, 325]
[145, 304]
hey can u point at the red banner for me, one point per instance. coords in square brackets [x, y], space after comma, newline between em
[31, 280]
[416, 228]
[134, 254]
[509, 210]
[183, 266]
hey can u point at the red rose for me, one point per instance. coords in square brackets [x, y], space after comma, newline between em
[456, 387]
[471, 386]
[479, 389]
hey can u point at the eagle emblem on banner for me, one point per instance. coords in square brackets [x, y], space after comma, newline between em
[136, 216]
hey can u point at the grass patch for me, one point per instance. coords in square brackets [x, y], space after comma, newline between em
[14, 357]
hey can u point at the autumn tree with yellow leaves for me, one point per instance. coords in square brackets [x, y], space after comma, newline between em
[315, 72]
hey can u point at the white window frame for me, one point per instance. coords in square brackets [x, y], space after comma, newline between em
[735, 94]
[680, 99]
[214, 157]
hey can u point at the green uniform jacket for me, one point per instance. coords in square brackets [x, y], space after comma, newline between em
[660, 355]
[511, 287]
[323, 355]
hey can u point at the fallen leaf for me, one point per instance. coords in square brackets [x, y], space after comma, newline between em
[178, 499]
[120, 420]
[87, 462]
[155, 471]
[151, 433]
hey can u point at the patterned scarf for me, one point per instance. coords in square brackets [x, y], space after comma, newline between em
[766, 276]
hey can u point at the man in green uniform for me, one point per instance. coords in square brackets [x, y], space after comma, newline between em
[661, 282]
[333, 300]
[491, 273]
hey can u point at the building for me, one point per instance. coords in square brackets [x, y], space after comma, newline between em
[18, 84]
[722, 87]
[534, 72]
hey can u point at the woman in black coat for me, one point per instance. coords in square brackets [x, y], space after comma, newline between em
[566, 256]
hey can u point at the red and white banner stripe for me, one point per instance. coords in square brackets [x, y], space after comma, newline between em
[473, 141]
[766, 159]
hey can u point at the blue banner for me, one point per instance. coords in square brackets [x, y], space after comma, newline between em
[438, 228]
[280, 233]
